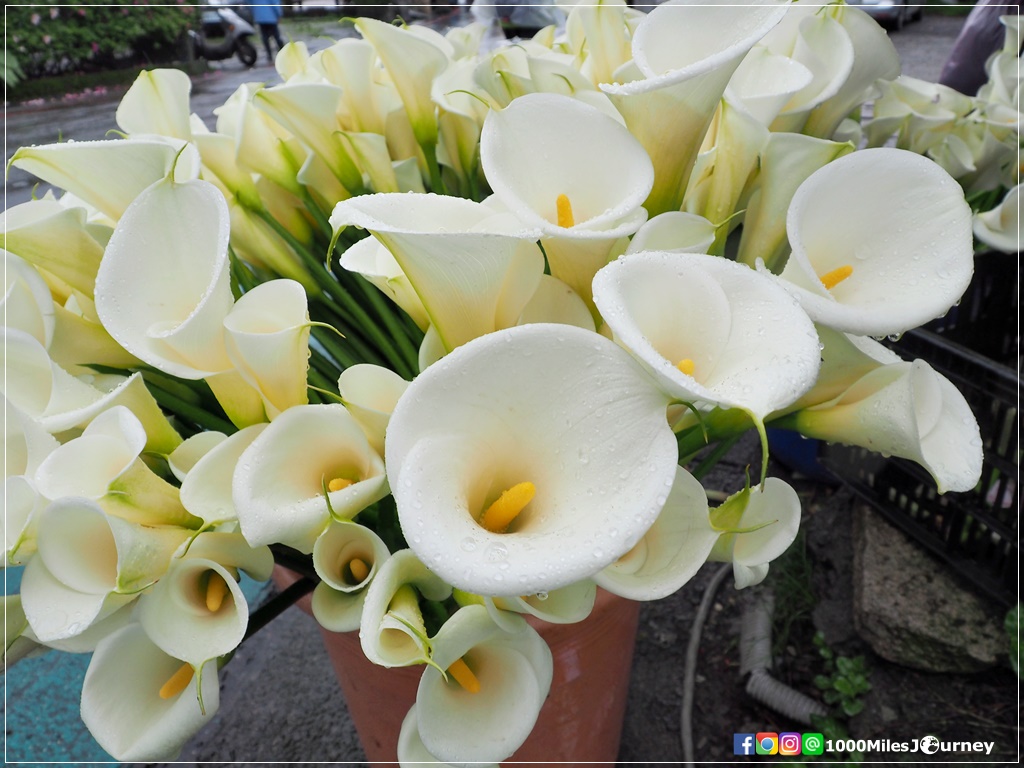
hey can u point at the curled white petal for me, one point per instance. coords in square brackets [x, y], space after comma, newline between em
[277, 488]
[121, 705]
[749, 345]
[575, 416]
[905, 232]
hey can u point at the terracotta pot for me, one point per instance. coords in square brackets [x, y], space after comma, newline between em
[581, 721]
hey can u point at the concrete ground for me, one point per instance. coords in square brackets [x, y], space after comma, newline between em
[279, 700]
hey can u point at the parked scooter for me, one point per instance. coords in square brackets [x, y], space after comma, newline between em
[224, 34]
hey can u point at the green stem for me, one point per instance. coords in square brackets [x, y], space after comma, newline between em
[190, 412]
[410, 354]
[711, 460]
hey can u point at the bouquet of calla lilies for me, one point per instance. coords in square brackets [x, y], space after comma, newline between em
[461, 330]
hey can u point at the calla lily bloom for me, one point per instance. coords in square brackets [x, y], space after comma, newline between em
[907, 410]
[391, 630]
[124, 709]
[758, 524]
[582, 205]
[109, 175]
[516, 480]
[309, 111]
[787, 160]
[196, 612]
[685, 54]
[56, 238]
[206, 489]
[411, 750]
[412, 61]
[999, 228]
[370, 393]
[485, 702]
[671, 551]
[26, 446]
[473, 269]
[67, 586]
[674, 232]
[374, 262]
[566, 605]
[281, 479]
[181, 460]
[900, 255]
[346, 556]
[58, 401]
[711, 331]
[163, 289]
[765, 82]
[267, 336]
[104, 464]
[157, 103]
[26, 303]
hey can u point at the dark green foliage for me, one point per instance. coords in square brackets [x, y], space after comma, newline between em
[50, 39]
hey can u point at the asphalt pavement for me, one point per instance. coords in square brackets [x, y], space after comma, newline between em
[279, 700]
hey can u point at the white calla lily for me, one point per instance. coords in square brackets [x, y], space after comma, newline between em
[999, 228]
[163, 289]
[412, 61]
[674, 232]
[57, 613]
[22, 507]
[309, 111]
[765, 82]
[346, 556]
[787, 160]
[97, 553]
[556, 302]
[374, 262]
[671, 551]
[758, 524]
[58, 401]
[54, 237]
[88, 464]
[109, 174]
[907, 410]
[487, 715]
[711, 331]
[581, 205]
[157, 103]
[279, 482]
[104, 464]
[206, 490]
[900, 255]
[26, 303]
[267, 338]
[391, 629]
[474, 270]
[230, 549]
[411, 750]
[470, 430]
[196, 612]
[181, 460]
[122, 705]
[370, 393]
[685, 54]
[566, 605]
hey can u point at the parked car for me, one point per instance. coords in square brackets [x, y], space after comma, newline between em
[892, 13]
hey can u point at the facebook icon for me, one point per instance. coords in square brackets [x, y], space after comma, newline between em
[743, 743]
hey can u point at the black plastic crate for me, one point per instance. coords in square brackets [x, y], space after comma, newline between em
[976, 532]
[986, 319]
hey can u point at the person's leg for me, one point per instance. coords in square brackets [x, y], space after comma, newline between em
[277, 37]
[266, 30]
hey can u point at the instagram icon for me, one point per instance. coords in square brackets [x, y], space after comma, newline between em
[789, 743]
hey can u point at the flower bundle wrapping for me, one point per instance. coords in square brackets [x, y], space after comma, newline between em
[449, 326]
